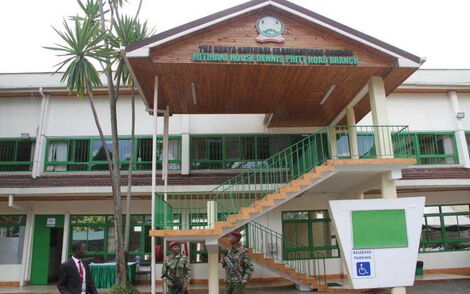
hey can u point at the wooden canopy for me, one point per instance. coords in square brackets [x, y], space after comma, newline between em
[290, 90]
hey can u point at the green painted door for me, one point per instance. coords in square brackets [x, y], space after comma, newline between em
[41, 246]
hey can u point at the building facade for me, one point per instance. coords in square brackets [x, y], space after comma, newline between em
[243, 112]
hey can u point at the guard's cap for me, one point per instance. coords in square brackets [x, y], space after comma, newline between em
[173, 243]
[236, 234]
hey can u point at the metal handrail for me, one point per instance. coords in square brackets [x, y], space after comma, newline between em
[291, 163]
[271, 244]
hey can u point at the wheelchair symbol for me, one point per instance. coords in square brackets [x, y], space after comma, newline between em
[363, 269]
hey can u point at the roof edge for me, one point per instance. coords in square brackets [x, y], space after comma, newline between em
[250, 4]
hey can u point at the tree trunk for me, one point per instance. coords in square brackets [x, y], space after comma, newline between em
[121, 264]
[129, 175]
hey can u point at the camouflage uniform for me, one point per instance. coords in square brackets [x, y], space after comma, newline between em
[242, 261]
[176, 267]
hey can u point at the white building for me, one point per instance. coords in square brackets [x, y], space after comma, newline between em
[54, 187]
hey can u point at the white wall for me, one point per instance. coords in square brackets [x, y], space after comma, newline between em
[10, 272]
[421, 112]
[19, 115]
[464, 99]
[441, 260]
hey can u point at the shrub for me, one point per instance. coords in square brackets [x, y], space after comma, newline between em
[119, 289]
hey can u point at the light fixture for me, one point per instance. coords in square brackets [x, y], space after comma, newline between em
[25, 136]
[460, 114]
[193, 91]
[327, 94]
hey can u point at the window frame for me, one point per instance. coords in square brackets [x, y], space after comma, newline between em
[13, 225]
[90, 163]
[15, 153]
[419, 156]
[445, 241]
[226, 161]
[311, 246]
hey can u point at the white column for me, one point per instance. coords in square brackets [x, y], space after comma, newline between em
[211, 214]
[398, 290]
[389, 191]
[378, 106]
[154, 179]
[462, 144]
[185, 148]
[332, 135]
[212, 246]
[353, 147]
[27, 248]
[213, 269]
[65, 238]
[388, 187]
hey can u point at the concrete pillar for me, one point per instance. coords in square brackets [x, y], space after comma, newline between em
[27, 248]
[65, 238]
[388, 187]
[462, 144]
[185, 154]
[213, 268]
[378, 106]
[398, 290]
[212, 247]
[353, 147]
[389, 191]
[185, 150]
[211, 214]
[332, 137]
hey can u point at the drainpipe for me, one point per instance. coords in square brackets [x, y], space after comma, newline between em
[40, 138]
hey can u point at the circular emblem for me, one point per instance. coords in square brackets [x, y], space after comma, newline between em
[270, 26]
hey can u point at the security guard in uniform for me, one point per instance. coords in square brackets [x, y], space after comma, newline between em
[236, 276]
[176, 269]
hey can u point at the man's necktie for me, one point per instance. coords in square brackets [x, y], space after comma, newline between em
[80, 270]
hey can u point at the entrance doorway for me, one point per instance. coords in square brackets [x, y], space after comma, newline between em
[47, 249]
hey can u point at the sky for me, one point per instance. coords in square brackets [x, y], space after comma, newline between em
[434, 29]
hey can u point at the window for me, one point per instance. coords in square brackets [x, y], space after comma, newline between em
[307, 234]
[89, 154]
[12, 230]
[16, 154]
[235, 152]
[446, 228]
[97, 231]
[436, 149]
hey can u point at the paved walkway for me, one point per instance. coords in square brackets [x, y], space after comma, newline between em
[430, 287]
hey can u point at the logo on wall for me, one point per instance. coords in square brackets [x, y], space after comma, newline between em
[270, 29]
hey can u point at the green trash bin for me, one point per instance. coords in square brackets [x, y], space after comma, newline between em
[419, 268]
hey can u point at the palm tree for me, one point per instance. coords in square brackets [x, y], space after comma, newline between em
[127, 31]
[88, 43]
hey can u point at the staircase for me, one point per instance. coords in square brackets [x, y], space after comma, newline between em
[271, 183]
[265, 247]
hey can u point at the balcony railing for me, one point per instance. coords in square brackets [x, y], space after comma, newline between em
[331, 142]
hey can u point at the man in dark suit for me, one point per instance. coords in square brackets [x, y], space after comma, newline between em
[75, 275]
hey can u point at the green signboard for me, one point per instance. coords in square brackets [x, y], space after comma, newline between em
[379, 229]
[267, 55]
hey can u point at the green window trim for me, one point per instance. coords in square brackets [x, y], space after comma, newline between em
[106, 223]
[309, 250]
[86, 162]
[437, 237]
[434, 158]
[251, 150]
[9, 155]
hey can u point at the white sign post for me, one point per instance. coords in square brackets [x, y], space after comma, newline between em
[388, 258]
